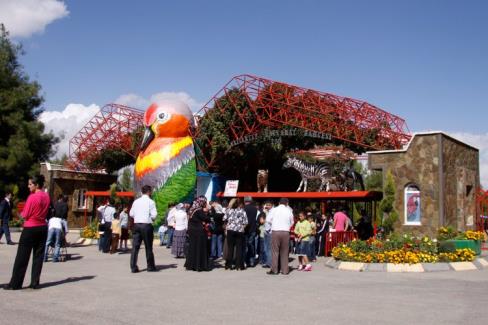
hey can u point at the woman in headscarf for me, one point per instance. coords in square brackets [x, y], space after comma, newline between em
[216, 217]
[197, 256]
[179, 236]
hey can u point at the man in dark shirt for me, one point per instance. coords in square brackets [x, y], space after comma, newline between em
[5, 215]
[61, 207]
[364, 227]
[251, 212]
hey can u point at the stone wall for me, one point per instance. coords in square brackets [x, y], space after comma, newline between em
[447, 173]
[461, 179]
[419, 166]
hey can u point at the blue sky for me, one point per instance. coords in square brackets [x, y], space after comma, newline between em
[425, 61]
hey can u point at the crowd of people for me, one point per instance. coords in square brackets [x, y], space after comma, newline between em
[113, 227]
[245, 234]
[242, 233]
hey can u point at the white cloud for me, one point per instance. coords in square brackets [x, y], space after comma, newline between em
[132, 100]
[137, 101]
[67, 123]
[479, 141]
[22, 18]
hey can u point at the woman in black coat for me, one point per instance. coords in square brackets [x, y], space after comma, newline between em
[197, 257]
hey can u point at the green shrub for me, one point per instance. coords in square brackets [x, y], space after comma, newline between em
[17, 222]
[447, 247]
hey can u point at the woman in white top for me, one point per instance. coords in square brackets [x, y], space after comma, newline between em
[180, 225]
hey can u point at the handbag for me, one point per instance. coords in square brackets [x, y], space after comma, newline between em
[101, 227]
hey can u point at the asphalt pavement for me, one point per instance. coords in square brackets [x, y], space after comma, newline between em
[95, 288]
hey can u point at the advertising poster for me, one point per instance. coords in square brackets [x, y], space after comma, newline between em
[413, 206]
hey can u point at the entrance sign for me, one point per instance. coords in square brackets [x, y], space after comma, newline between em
[231, 188]
[273, 134]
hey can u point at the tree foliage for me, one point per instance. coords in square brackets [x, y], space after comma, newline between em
[373, 181]
[110, 159]
[59, 161]
[387, 205]
[266, 150]
[234, 114]
[116, 156]
[126, 182]
[23, 143]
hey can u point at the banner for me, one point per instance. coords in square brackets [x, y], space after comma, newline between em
[231, 188]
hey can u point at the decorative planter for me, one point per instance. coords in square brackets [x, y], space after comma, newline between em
[453, 244]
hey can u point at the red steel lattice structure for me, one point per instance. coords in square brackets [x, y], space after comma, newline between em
[270, 104]
[275, 104]
[111, 127]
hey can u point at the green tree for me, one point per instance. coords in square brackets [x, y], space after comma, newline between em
[23, 143]
[387, 205]
[111, 159]
[373, 181]
[59, 161]
[126, 181]
[116, 155]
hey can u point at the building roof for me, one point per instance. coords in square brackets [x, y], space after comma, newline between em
[405, 149]
[62, 168]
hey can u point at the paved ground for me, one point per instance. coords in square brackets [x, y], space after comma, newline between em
[99, 289]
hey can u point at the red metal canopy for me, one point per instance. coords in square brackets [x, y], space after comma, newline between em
[355, 195]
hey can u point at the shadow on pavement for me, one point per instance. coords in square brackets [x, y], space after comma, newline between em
[74, 257]
[76, 245]
[67, 280]
[217, 264]
[163, 267]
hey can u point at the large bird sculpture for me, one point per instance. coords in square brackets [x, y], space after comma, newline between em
[166, 160]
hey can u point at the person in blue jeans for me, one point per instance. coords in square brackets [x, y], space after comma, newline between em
[267, 236]
[261, 233]
[217, 229]
[163, 229]
[170, 222]
[57, 228]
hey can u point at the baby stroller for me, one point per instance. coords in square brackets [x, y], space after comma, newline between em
[63, 250]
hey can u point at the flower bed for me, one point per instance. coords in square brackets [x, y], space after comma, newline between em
[450, 240]
[90, 231]
[448, 233]
[399, 250]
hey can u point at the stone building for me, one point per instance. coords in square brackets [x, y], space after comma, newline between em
[74, 184]
[436, 178]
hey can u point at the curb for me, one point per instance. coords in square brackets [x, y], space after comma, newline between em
[479, 263]
[89, 242]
